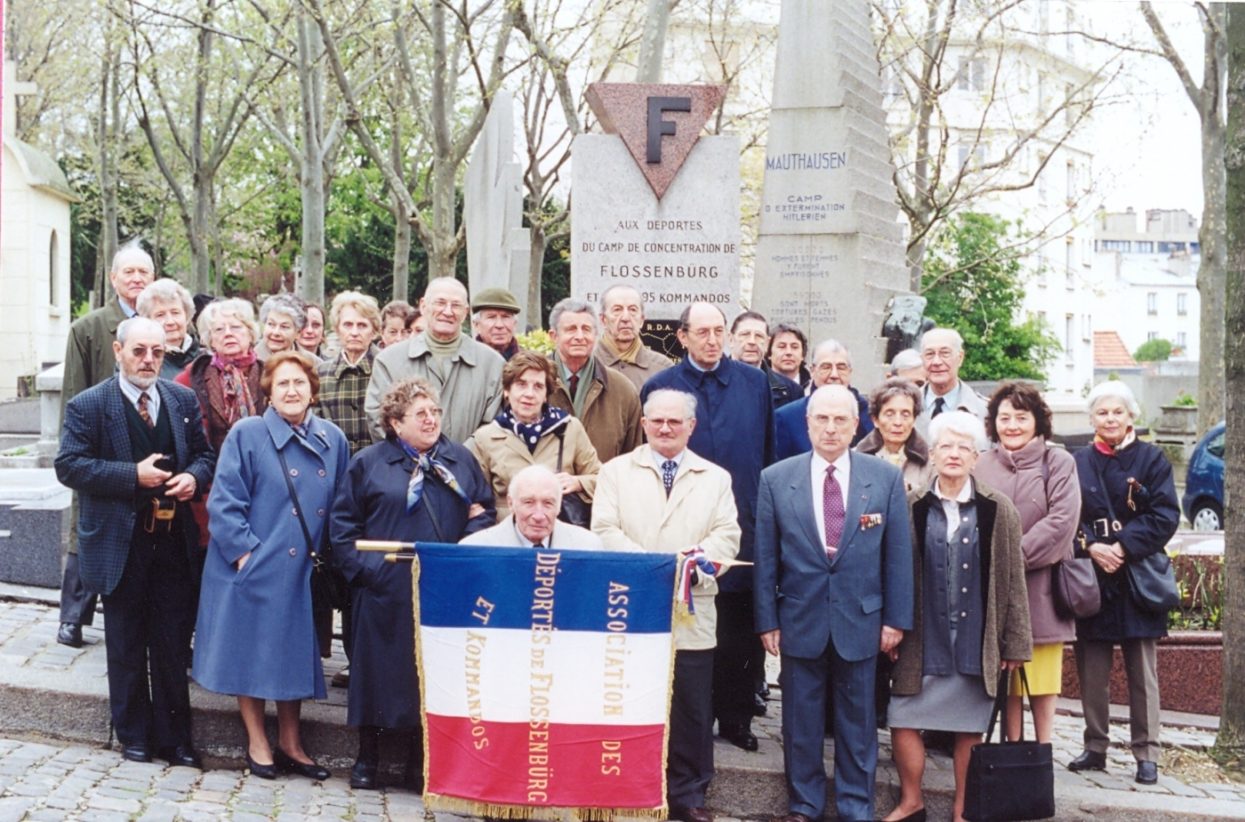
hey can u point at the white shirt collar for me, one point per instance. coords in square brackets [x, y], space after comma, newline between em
[658, 459]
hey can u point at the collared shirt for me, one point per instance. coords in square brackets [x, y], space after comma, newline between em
[131, 392]
[701, 368]
[126, 308]
[658, 459]
[524, 542]
[343, 389]
[586, 373]
[950, 400]
[842, 475]
[951, 505]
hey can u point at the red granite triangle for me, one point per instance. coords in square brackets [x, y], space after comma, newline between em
[623, 109]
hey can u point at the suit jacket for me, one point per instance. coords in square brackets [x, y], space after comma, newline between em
[96, 460]
[631, 512]
[791, 428]
[565, 535]
[611, 414]
[869, 585]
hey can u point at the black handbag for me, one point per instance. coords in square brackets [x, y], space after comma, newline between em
[1152, 583]
[1073, 581]
[574, 509]
[1151, 580]
[328, 588]
[1009, 780]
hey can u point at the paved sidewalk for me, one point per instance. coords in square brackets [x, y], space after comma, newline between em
[50, 691]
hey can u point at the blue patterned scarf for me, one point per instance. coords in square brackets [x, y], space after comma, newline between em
[550, 420]
[424, 464]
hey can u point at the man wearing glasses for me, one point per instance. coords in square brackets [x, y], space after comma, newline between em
[466, 373]
[942, 353]
[832, 365]
[735, 430]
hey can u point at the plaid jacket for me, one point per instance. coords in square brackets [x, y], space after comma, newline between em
[342, 391]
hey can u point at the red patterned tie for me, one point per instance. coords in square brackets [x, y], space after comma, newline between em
[142, 409]
[832, 506]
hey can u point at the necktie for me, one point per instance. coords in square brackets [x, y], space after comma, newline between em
[833, 513]
[574, 386]
[939, 407]
[668, 469]
[143, 399]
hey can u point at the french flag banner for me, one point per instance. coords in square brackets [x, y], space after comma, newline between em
[545, 679]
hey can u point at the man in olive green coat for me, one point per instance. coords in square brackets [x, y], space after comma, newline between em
[89, 360]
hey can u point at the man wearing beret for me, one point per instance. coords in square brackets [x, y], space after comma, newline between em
[494, 313]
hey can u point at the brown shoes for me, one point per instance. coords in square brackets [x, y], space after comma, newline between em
[682, 814]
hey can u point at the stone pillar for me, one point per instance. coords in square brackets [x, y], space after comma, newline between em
[48, 384]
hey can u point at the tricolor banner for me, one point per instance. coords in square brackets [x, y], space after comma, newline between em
[545, 679]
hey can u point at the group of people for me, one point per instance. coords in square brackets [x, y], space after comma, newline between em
[897, 543]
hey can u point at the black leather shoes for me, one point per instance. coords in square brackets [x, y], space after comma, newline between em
[1147, 772]
[268, 771]
[287, 764]
[363, 775]
[1090, 761]
[684, 814]
[739, 736]
[759, 708]
[135, 753]
[182, 756]
[70, 634]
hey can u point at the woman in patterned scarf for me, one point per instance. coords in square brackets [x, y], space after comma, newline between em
[415, 486]
[528, 431]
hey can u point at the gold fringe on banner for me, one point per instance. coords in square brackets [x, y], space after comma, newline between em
[469, 807]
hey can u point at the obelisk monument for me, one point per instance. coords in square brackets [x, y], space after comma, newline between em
[830, 254]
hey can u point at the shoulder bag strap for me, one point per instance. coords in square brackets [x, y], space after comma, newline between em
[298, 508]
[1000, 702]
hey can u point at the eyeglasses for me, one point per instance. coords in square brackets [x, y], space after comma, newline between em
[454, 305]
[827, 367]
[662, 422]
[424, 414]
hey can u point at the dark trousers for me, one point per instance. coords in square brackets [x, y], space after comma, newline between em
[148, 620]
[77, 603]
[689, 760]
[805, 683]
[738, 657]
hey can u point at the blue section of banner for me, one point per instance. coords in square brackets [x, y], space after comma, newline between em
[461, 586]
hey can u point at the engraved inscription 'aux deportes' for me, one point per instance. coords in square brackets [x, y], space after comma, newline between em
[540, 683]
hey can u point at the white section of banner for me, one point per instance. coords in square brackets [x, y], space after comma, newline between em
[574, 677]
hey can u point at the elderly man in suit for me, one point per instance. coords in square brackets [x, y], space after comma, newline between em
[833, 590]
[89, 361]
[664, 498]
[134, 449]
[535, 497]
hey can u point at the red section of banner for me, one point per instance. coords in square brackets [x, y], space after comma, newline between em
[510, 763]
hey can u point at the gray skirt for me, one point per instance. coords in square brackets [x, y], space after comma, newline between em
[945, 703]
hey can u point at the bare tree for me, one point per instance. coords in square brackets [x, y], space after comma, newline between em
[1208, 100]
[449, 78]
[217, 96]
[1231, 737]
[944, 158]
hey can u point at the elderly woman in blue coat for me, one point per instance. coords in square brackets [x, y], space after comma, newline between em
[414, 486]
[1129, 511]
[255, 637]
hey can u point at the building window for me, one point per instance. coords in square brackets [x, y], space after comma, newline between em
[1152, 302]
[1070, 183]
[1182, 303]
[1069, 329]
[972, 74]
[1182, 341]
[971, 156]
[1145, 246]
[1087, 327]
[1151, 335]
[1068, 280]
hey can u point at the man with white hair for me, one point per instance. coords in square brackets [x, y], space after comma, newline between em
[89, 360]
[535, 497]
[907, 365]
[620, 346]
[832, 365]
[663, 497]
[465, 373]
[134, 449]
[942, 354]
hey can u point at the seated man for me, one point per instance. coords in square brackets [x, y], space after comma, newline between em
[535, 497]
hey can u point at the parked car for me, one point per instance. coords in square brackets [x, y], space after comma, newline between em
[1203, 484]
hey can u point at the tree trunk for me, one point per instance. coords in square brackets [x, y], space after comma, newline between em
[535, 276]
[1231, 738]
[311, 163]
[653, 42]
[1210, 274]
[401, 250]
[109, 116]
[199, 231]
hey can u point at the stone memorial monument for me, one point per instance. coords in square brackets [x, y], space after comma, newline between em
[498, 246]
[654, 204]
[829, 255]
